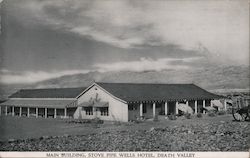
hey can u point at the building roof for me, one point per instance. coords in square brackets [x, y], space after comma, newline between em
[44, 103]
[132, 92]
[48, 93]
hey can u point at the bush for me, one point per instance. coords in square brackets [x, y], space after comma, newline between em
[199, 115]
[188, 115]
[221, 112]
[172, 117]
[211, 114]
[97, 121]
[117, 123]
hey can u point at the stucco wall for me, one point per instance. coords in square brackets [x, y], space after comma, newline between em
[118, 111]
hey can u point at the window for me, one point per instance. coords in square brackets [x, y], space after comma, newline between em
[104, 111]
[132, 107]
[88, 110]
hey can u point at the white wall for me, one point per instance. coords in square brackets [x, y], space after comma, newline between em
[118, 111]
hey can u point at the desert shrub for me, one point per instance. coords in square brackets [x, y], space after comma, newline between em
[79, 121]
[138, 121]
[199, 115]
[97, 121]
[229, 110]
[188, 115]
[221, 112]
[172, 117]
[211, 114]
[117, 123]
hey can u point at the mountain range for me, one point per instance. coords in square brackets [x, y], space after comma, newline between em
[213, 78]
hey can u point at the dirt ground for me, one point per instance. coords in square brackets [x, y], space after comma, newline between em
[218, 133]
[23, 127]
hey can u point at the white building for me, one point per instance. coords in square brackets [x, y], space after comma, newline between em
[108, 101]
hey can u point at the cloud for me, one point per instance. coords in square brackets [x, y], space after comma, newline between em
[142, 65]
[27, 77]
[148, 64]
[221, 26]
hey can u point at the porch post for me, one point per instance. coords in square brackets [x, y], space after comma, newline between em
[28, 112]
[166, 108]
[45, 111]
[204, 105]
[176, 108]
[195, 106]
[141, 111]
[20, 111]
[36, 112]
[13, 111]
[65, 112]
[55, 113]
[153, 110]
[211, 103]
[6, 110]
[94, 111]
[225, 105]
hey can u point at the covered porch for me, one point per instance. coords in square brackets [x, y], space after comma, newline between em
[38, 108]
[151, 109]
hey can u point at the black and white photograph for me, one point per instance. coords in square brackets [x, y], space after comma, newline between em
[124, 78]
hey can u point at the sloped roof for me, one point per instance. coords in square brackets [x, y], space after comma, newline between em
[156, 92]
[48, 93]
[45, 103]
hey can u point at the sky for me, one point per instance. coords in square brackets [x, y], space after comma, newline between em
[43, 39]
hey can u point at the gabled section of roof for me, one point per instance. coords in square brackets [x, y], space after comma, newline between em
[48, 93]
[131, 92]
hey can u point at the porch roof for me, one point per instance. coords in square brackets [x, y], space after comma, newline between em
[42, 103]
[48, 93]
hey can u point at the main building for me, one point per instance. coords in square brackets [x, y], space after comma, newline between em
[108, 101]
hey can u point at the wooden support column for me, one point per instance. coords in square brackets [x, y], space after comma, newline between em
[153, 110]
[65, 112]
[28, 112]
[6, 110]
[94, 112]
[20, 111]
[176, 108]
[204, 105]
[195, 106]
[141, 110]
[166, 108]
[55, 113]
[211, 103]
[36, 112]
[225, 105]
[13, 111]
[45, 112]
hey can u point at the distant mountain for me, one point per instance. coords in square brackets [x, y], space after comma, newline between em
[211, 78]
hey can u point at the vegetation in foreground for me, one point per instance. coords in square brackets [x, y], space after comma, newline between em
[202, 135]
